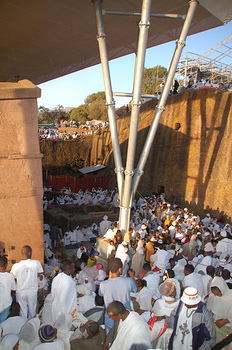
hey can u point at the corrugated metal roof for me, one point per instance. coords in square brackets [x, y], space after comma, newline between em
[91, 169]
[44, 39]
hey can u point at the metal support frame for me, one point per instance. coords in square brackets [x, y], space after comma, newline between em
[134, 14]
[128, 182]
[129, 94]
[125, 204]
[164, 95]
[110, 103]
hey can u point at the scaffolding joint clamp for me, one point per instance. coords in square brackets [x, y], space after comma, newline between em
[161, 108]
[138, 104]
[144, 24]
[139, 172]
[119, 170]
[112, 103]
[102, 36]
[180, 42]
[130, 173]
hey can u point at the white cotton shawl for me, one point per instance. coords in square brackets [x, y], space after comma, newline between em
[64, 295]
[29, 336]
[63, 326]
[221, 306]
[8, 342]
[55, 345]
[133, 330]
[179, 269]
[144, 298]
[13, 325]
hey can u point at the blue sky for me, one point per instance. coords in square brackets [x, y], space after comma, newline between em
[71, 90]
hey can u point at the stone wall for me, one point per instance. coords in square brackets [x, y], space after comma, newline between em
[190, 156]
[21, 191]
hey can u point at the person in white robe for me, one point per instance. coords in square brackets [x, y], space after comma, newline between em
[46, 312]
[220, 303]
[28, 336]
[9, 342]
[122, 254]
[138, 261]
[160, 259]
[206, 221]
[104, 225]
[79, 235]
[64, 292]
[192, 279]
[207, 280]
[132, 329]
[63, 325]
[206, 261]
[224, 246]
[192, 323]
[12, 325]
[86, 299]
[144, 298]
[26, 272]
[179, 269]
[57, 344]
[160, 334]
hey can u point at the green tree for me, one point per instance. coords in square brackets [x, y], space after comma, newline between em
[48, 116]
[99, 96]
[80, 114]
[93, 108]
[44, 115]
[153, 79]
[96, 106]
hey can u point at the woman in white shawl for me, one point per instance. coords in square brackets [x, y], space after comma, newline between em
[160, 334]
[179, 269]
[63, 325]
[28, 336]
[58, 344]
[143, 297]
[9, 342]
[12, 324]
[220, 303]
[193, 244]
[138, 261]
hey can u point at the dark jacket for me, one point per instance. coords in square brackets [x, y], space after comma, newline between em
[203, 329]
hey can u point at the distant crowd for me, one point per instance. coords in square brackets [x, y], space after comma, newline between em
[58, 132]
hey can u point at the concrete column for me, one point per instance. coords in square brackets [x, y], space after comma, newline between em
[21, 189]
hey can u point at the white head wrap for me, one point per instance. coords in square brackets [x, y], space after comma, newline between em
[9, 341]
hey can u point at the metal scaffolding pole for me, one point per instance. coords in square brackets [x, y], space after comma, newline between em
[109, 96]
[160, 107]
[125, 205]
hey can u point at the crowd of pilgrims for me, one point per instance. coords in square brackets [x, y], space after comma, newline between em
[164, 284]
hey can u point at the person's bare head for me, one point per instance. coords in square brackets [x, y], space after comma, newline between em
[226, 274]
[115, 265]
[3, 263]
[68, 267]
[147, 267]
[93, 328]
[210, 270]
[116, 310]
[26, 251]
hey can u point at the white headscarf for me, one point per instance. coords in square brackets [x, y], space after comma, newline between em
[58, 344]
[175, 283]
[63, 325]
[13, 325]
[29, 336]
[221, 306]
[8, 342]
[220, 284]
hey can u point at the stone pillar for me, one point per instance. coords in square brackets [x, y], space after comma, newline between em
[21, 189]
